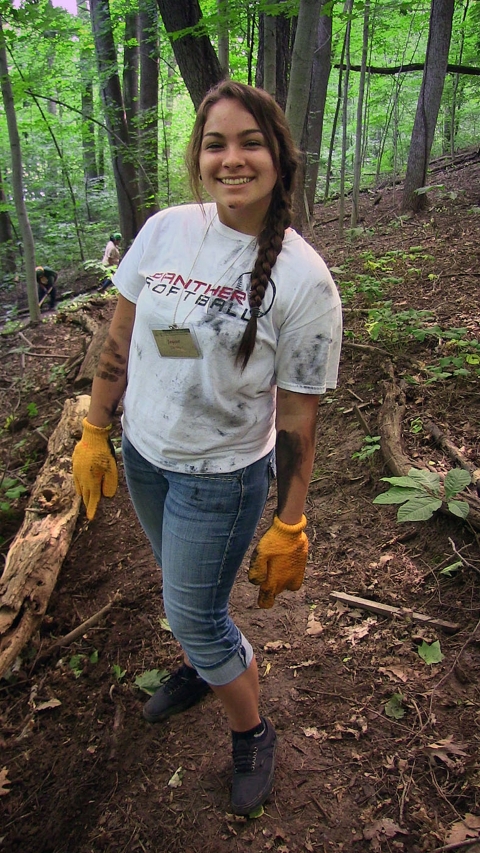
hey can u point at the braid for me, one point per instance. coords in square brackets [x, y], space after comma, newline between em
[270, 242]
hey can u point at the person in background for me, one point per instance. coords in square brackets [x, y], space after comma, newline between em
[111, 258]
[229, 326]
[46, 280]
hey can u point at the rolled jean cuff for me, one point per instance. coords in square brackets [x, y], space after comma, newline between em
[236, 665]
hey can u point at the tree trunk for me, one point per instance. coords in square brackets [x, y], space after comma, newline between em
[39, 548]
[223, 37]
[346, 81]
[88, 127]
[148, 115]
[196, 57]
[357, 165]
[6, 235]
[124, 169]
[316, 110]
[270, 54]
[131, 62]
[17, 182]
[298, 92]
[436, 60]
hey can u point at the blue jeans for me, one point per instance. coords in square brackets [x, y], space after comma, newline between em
[200, 527]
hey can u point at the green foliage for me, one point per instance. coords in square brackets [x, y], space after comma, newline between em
[394, 708]
[420, 494]
[452, 569]
[430, 653]
[150, 680]
[369, 447]
[11, 490]
[390, 326]
[118, 672]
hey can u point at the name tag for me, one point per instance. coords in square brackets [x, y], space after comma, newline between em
[176, 343]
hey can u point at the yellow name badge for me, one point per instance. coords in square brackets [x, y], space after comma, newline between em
[176, 343]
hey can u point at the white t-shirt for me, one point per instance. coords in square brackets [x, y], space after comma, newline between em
[204, 415]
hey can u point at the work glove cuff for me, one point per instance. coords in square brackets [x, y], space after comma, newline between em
[289, 529]
[92, 430]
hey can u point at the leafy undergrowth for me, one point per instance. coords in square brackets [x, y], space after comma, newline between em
[377, 712]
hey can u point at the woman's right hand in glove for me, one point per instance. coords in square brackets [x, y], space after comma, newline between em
[94, 466]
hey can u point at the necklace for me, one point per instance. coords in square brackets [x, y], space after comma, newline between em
[224, 273]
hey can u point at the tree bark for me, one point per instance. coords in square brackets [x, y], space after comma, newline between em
[17, 182]
[197, 60]
[316, 109]
[148, 114]
[441, 16]
[298, 92]
[39, 548]
[123, 158]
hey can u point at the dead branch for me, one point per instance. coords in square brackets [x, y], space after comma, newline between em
[78, 632]
[388, 610]
[454, 453]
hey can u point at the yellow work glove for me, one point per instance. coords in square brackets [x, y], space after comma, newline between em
[94, 466]
[278, 562]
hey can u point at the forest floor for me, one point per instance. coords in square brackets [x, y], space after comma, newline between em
[378, 747]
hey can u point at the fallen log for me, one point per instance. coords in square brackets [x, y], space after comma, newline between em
[39, 548]
[88, 368]
[390, 418]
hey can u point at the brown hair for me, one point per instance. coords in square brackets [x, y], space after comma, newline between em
[273, 124]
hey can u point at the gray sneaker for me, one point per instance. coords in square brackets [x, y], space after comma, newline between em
[180, 690]
[253, 769]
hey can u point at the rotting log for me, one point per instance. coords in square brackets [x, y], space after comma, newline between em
[39, 548]
[87, 370]
[390, 419]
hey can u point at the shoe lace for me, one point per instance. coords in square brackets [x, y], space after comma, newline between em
[173, 681]
[244, 756]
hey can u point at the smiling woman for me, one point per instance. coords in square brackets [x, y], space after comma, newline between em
[229, 325]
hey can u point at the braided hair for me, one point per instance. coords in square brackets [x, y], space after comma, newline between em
[273, 124]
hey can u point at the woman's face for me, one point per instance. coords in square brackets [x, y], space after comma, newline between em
[236, 166]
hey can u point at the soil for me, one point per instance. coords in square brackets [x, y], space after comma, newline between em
[378, 748]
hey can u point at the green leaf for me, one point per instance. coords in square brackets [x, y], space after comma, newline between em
[403, 482]
[258, 812]
[426, 479]
[418, 509]
[164, 624]
[397, 495]
[456, 480]
[452, 568]
[459, 508]
[94, 656]
[118, 672]
[150, 680]
[393, 708]
[430, 653]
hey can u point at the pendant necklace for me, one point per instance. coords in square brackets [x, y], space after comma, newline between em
[224, 273]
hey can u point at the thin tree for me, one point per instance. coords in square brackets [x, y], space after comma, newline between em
[129, 211]
[436, 61]
[148, 113]
[316, 108]
[17, 182]
[298, 93]
[346, 82]
[357, 165]
[223, 36]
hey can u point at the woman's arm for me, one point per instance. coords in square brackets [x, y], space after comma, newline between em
[111, 377]
[296, 419]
